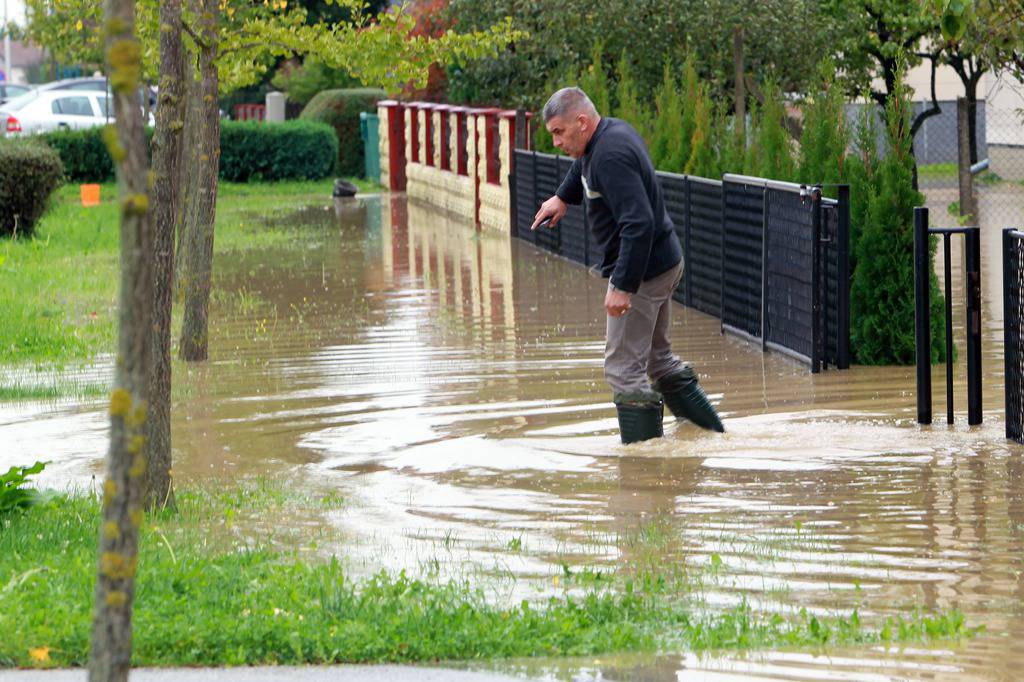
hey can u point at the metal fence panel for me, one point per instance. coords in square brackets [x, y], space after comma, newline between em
[788, 264]
[525, 194]
[547, 181]
[675, 194]
[742, 242]
[704, 260]
[573, 229]
[1013, 331]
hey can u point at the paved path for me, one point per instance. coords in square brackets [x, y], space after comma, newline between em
[348, 673]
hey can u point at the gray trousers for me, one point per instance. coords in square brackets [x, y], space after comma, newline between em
[637, 344]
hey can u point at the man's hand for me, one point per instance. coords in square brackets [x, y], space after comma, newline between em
[616, 302]
[554, 208]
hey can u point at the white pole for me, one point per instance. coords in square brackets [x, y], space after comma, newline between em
[7, 47]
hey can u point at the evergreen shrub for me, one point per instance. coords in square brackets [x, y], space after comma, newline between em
[882, 294]
[292, 150]
[340, 109]
[29, 173]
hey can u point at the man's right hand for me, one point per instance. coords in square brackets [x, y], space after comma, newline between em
[554, 208]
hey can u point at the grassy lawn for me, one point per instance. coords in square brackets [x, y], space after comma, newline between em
[58, 290]
[209, 594]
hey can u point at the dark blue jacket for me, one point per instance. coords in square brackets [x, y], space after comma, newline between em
[624, 205]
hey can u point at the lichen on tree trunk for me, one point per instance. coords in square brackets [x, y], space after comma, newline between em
[126, 458]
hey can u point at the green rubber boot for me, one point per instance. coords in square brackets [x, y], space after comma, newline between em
[687, 400]
[640, 417]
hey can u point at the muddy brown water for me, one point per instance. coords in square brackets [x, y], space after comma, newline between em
[448, 384]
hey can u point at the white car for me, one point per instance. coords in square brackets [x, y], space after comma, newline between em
[43, 111]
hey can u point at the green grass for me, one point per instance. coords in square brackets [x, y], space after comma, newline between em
[58, 290]
[937, 170]
[211, 593]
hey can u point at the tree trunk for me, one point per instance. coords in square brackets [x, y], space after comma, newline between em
[126, 459]
[167, 210]
[190, 135]
[971, 88]
[197, 267]
[966, 180]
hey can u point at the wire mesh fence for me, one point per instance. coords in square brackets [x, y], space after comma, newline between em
[996, 153]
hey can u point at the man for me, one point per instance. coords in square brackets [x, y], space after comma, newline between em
[642, 259]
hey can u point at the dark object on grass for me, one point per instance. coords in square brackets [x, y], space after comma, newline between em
[344, 188]
[639, 421]
[687, 400]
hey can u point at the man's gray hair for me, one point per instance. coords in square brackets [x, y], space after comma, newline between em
[568, 101]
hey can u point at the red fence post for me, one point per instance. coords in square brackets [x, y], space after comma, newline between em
[395, 113]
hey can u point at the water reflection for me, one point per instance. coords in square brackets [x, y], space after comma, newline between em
[449, 385]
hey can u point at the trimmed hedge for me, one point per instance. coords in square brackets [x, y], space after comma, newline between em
[293, 150]
[84, 153]
[29, 173]
[340, 109]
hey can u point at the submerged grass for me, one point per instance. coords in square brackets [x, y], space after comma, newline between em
[58, 290]
[208, 596]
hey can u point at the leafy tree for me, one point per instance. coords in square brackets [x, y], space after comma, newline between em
[882, 295]
[787, 33]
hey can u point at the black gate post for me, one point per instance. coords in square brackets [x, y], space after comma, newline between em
[922, 321]
[843, 275]
[815, 197]
[973, 244]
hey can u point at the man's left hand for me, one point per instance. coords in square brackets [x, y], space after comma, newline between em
[616, 302]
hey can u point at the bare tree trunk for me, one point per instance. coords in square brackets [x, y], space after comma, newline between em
[189, 156]
[197, 268]
[126, 459]
[167, 211]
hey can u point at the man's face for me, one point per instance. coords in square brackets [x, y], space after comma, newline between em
[570, 133]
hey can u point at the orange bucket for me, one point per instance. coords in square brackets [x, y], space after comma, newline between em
[90, 195]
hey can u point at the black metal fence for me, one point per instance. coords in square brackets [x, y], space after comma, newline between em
[922, 316]
[1013, 331]
[770, 259]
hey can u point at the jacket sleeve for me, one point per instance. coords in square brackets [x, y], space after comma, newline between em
[571, 189]
[622, 187]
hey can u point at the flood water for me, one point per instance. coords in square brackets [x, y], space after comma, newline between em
[449, 385]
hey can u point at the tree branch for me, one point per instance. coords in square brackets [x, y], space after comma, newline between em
[195, 36]
[934, 109]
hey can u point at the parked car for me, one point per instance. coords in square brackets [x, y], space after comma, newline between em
[92, 83]
[9, 91]
[42, 111]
